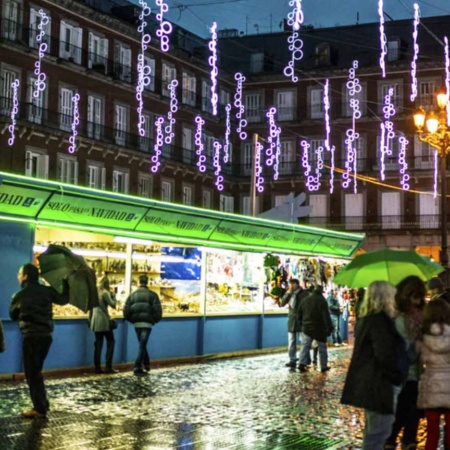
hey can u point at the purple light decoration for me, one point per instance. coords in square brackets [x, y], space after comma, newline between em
[311, 181]
[165, 27]
[216, 163]
[201, 158]
[39, 84]
[326, 109]
[143, 69]
[240, 106]
[159, 142]
[447, 76]
[277, 158]
[259, 179]
[14, 111]
[295, 19]
[212, 60]
[274, 131]
[383, 39]
[226, 147]
[354, 87]
[75, 122]
[173, 109]
[387, 130]
[404, 179]
[435, 173]
[416, 52]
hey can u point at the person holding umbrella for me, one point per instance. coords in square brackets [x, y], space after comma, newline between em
[32, 307]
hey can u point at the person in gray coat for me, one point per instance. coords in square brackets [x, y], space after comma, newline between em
[100, 324]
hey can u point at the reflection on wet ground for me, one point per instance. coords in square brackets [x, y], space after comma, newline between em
[247, 403]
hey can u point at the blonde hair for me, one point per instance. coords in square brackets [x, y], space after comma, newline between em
[379, 297]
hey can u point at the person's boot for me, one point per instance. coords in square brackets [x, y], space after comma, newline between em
[97, 356]
[109, 358]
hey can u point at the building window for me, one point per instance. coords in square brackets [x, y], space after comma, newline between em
[145, 185]
[150, 61]
[247, 209]
[188, 195]
[167, 190]
[36, 105]
[227, 203]
[98, 53]
[11, 19]
[354, 211]
[287, 158]
[120, 124]
[253, 111]
[257, 62]
[169, 73]
[67, 169]
[145, 141]
[322, 55]
[391, 210]
[36, 164]
[319, 209]
[316, 103]
[285, 105]
[188, 145]
[35, 20]
[207, 199]
[208, 140]
[423, 155]
[70, 42]
[95, 109]
[427, 93]
[224, 97]
[66, 108]
[206, 97]
[122, 62]
[396, 100]
[96, 176]
[393, 50]
[247, 157]
[8, 76]
[121, 181]
[360, 96]
[429, 211]
[189, 89]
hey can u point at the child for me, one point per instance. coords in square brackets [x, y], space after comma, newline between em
[434, 385]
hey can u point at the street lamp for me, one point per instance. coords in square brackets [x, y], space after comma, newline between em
[432, 128]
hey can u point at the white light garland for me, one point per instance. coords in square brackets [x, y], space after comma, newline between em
[277, 157]
[309, 179]
[239, 104]
[259, 179]
[328, 147]
[212, 60]
[404, 178]
[447, 76]
[165, 27]
[383, 39]
[435, 180]
[201, 158]
[169, 129]
[387, 130]
[416, 52]
[226, 147]
[14, 111]
[216, 163]
[40, 82]
[274, 131]
[75, 122]
[295, 19]
[159, 142]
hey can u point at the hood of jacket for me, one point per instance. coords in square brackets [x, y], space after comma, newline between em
[438, 340]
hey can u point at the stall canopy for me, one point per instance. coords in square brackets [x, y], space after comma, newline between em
[54, 204]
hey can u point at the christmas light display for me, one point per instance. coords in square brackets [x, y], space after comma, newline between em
[447, 76]
[387, 130]
[201, 158]
[277, 158]
[216, 163]
[295, 19]
[143, 70]
[328, 148]
[40, 82]
[238, 103]
[212, 60]
[75, 122]
[383, 39]
[310, 180]
[226, 147]
[165, 27]
[274, 131]
[416, 52]
[404, 178]
[435, 180]
[169, 129]
[159, 142]
[14, 111]
[259, 179]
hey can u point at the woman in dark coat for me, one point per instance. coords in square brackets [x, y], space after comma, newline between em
[378, 366]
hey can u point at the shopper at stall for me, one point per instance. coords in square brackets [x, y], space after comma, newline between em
[2, 338]
[101, 324]
[335, 314]
[437, 290]
[32, 307]
[293, 298]
[378, 366]
[143, 309]
[315, 324]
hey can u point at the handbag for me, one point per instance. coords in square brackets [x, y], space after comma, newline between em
[112, 324]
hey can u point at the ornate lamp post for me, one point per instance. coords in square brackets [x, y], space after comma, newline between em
[432, 128]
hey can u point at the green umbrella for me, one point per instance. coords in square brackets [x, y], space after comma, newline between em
[386, 265]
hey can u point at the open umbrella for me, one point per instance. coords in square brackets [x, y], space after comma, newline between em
[386, 265]
[57, 263]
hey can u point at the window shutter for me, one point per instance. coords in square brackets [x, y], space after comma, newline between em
[103, 180]
[75, 173]
[126, 187]
[43, 169]
[115, 180]
[28, 163]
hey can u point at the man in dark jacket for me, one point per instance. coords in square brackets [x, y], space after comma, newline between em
[335, 313]
[314, 317]
[293, 297]
[32, 307]
[143, 310]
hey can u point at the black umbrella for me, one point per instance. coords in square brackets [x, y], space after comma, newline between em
[57, 263]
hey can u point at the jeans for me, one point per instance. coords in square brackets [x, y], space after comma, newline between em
[98, 346]
[336, 334]
[143, 358]
[35, 350]
[293, 338]
[305, 357]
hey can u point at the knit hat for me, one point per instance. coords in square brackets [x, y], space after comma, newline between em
[435, 283]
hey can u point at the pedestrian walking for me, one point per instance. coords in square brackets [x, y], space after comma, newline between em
[32, 307]
[293, 297]
[410, 301]
[2, 338]
[434, 384]
[101, 324]
[315, 322]
[378, 366]
[335, 314]
[143, 309]
[437, 290]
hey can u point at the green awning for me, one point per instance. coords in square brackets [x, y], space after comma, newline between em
[60, 205]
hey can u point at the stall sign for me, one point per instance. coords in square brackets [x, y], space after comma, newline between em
[297, 241]
[21, 201]
[240, 233]
[336, 246]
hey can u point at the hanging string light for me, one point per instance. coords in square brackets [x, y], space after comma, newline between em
[274, 131]
[447, 76]
[435, 178]
[239, 104]
[165, 27]
[75, 122]
[416, 52]
[41, 77]
[383, 39]
[404, 178]
[216, 163]
[277, 157]
[212, 61]
[311, 182]
[14, 111]
[387, 130]
[259, 179]
[159, 142]
[200, 147]
[169, 129]
[226, 147]
[295, 19]
[328, 148]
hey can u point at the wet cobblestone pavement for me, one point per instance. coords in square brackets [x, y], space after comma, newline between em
[246, 403]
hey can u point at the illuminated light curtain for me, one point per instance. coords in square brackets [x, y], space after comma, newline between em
[404, 176]
[14, 111]
[41, 77]
[159, 142]
[312, 182]
[353, 88]
[415, 34]
[295, 19]
[212, 61]
[277, 157]
[273, 142]
[259, 179]
[165, 27]
[328, 147]
[169, 129]
[217, 166]
[75, 122]
[226, 147]
[435, 180]
[200, 146]
[387, 130]
[447, 77]
[383, 40]
[143, 70]
[239, 105]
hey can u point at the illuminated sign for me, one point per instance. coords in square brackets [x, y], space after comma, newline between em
[238, 103]
[383, 40]
[159, 142]
[201, 158]
[295, 19]
[212, 60]
[165, 27]
[216, 163]
[39, 83]
[259, 179]
[14, 111]
[404, 178]
[173, 109]
[226, 147]
[416, 52]
[75, 122]
[21, 201]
